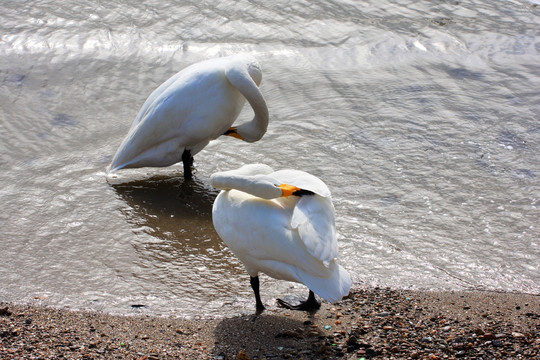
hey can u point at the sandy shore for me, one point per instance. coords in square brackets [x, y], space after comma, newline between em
[374, 323]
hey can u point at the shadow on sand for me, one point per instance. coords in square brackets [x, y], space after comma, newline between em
[267, 335]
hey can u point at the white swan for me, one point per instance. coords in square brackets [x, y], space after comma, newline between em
[281, 224]
[196, 105]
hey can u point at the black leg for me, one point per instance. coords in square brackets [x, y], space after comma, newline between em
[311, 304]
[187, 161]
[254, 281]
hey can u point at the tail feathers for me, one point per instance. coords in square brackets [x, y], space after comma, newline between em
[111, 169]
[332, 288]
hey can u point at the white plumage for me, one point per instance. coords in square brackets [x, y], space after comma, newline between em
[195, 106]
[281, 224]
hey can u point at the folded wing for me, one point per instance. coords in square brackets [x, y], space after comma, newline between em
[313, 218]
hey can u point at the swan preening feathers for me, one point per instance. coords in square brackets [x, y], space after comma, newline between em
[282, 224]
[279, 223]
[197, 105]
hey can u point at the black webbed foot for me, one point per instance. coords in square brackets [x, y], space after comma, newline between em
[311, 304]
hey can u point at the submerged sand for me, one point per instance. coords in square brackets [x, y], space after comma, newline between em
[371, 323]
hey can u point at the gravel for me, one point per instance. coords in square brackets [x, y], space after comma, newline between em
[370, 324]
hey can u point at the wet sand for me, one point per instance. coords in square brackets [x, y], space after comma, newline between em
[371, 323]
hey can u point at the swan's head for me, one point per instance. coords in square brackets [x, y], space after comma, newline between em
[254, 70]
[256, 179]
[237, 74]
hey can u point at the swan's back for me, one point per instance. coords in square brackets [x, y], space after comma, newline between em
[195, 106]
[290, 238]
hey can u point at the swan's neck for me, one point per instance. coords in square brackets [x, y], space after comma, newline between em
[258, 185]
[256, 128]
[245, 75]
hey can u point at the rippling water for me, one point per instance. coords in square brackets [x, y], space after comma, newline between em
[421, 116]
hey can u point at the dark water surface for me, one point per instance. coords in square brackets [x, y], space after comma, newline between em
[423, 117]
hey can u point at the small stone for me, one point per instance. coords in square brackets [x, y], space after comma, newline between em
[5, 311]
[427, 339]
[487, 336]
[352, 340]
[497, 343]
[479, 332]
[322, 349]
[243, 356]
[370, 353]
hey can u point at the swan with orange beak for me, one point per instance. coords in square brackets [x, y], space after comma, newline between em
[281, 223]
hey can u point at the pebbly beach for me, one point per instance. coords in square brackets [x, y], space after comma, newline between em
[371, 323]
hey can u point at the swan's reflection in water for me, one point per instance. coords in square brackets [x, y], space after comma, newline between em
[180, 254]
[170, 208]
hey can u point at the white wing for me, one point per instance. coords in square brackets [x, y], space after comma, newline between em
[313, 215]
[313, 218]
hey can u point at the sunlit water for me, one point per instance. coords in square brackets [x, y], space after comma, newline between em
[421, 116]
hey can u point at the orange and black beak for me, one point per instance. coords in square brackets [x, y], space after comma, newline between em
[289, 190]
[232, 132]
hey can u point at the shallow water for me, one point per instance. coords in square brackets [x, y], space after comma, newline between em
[422, 118]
